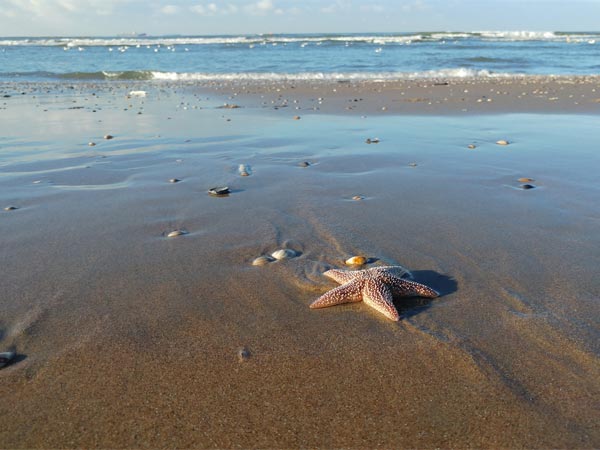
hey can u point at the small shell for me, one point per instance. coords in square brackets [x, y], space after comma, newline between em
[296, 117]
[283, 253]
[174, 180]
[221, 190]
[412, 164]
[357, 197]
[372, 141]
[10, 208]
[304, 164]
[6, 358]
[91, 144]
[356, 261]
[176, 233]
[527, 186]
[243, 354]
[108, 136]
[262, 260]
[525, 180]
[502, 142]
[244, 170]
[471, 146]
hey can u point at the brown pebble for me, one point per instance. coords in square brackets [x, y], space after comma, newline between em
[296, 117]
[357, 197]
[525, 180]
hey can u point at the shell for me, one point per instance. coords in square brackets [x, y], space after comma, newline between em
[6, 358]
[174, 180]
[358, 197]
[108, 136]
[527, 186]
[356, 261]
[221, 190]
[283, 253]
[502, 142]
[91, 144]
[471, 146]
[262, 260]
[10, 208]
[244, 170]
[525, 180]
[372, 141]
[304, 164]
[176, 233]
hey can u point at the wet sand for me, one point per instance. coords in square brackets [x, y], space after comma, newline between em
[128, 338]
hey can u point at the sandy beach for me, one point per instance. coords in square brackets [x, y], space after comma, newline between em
[128, 338]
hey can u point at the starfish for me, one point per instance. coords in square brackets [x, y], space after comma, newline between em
[376, 287]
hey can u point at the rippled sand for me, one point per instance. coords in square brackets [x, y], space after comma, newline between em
[127, 338]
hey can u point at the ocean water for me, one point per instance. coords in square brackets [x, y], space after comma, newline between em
[310, 56]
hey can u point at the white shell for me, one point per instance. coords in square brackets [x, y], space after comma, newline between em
[262, 260]
[502, 142]
[283, 253]
[176, 233]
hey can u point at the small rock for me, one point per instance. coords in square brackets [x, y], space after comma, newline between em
[174, 180]
[283, 253]
[244, 170]
[296, 117]
[243, 354]
[372, 141]
[412, 164]
[356, 261]
[108, 136]
[471, 146]
[176, 233]
[527, 186]
[262, 260]
[502, 142]
[91, 144]
[6, 358]
[357, 197]
[525, 180]
[138, 93]
[219, 191]
[304, 164]
[10, 208]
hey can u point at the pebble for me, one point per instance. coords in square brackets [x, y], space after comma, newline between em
[243, 354]
[372, 141]
[262, 260]
[412, 164]
[176, 233]
[174, 180]
[91, 144]
[296, 117]
[525, 180]
[283, 253]
[304, 164]
[357, 197]
[138, 93]
[527, 186]
[472, 146]
[356, 261]
[502, 142]
[6, 358]
[108, 136]
[10, 208]
[219, 191]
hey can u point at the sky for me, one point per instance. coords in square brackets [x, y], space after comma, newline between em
[201, 17]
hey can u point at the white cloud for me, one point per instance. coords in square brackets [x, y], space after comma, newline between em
[170, 9]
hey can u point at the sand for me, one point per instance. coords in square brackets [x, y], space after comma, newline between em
[128, 338]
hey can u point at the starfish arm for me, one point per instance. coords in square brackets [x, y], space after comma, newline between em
[407, 288]
[397, 271]
[342, 276]
[379, 296]
[346, 293]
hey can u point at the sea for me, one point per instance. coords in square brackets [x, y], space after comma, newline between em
[273, 57]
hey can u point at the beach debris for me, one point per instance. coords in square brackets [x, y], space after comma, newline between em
[91, 144]
[356, 261]
[296, 117]
[6, 358]
[176, 233]
[471, 146]
[372, 141]
[375, 287]
[525, 180]
[502, 142]
[10, 208]
[262, 260]
[283, 253]
[358, 197]
[527, 186]
[174, 180]
[108, 136]
[304, 164]
[138, 93]
[243, 354]
[229, 106]
[219, 191]
[244, 170]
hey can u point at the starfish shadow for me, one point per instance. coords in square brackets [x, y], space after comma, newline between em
[411, 306]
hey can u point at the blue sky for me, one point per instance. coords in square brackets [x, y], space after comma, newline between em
[106, 17]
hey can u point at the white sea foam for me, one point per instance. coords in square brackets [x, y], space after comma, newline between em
[322, 76]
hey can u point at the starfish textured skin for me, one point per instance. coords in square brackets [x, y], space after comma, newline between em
[376, 287]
